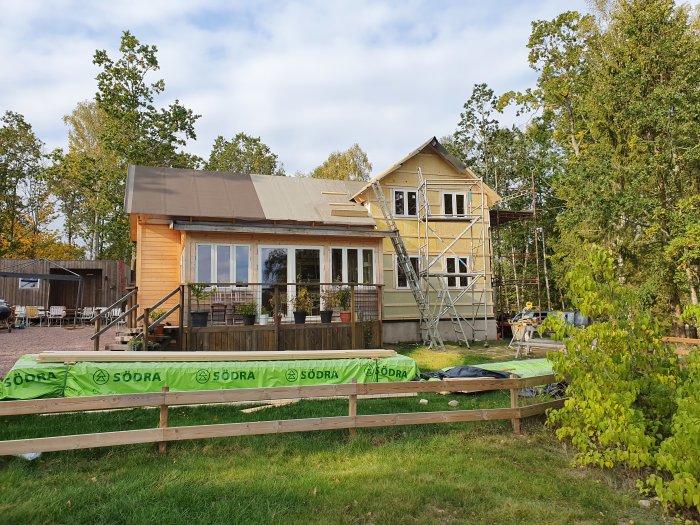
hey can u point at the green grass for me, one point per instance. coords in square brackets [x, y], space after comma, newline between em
[456, 473]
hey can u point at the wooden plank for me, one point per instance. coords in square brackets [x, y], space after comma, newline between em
[63, 356]
[105, 439]
[111, 402]
[348, 213]
[681, 340]
[541, 408]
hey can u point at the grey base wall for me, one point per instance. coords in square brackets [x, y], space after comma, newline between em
[409, 331]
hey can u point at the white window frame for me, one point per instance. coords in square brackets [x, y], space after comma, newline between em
[458, 282]
[213, 270]
[453, 195]
[396, 272]
[359, 249]
[291, 270]
[405, 202]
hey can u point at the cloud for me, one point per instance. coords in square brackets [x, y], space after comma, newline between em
[307, 77]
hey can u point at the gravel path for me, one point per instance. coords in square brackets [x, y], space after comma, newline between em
[35, 339]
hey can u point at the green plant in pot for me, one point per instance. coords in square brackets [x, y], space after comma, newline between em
[343, 296]
[200, 292]
[302, 305]
[153, 316]
[328, 298]
[248, 311]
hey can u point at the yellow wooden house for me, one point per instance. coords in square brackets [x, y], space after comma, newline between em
[245, 234]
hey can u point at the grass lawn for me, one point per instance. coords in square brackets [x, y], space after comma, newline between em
[457, 473]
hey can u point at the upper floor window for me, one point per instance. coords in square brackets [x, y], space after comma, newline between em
[454, 204]
[405, 203]
[221, 263]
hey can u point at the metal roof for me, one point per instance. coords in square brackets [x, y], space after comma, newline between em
[224, 195]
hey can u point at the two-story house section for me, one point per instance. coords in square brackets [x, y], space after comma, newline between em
[441, 209]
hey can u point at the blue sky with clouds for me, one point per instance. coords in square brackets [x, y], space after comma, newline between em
[307, 77]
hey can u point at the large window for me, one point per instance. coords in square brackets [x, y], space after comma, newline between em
[457, 265]
[352, 265]
[289, 264]
[401, 281]
[222, 263]
[405, 203]
[454, 204]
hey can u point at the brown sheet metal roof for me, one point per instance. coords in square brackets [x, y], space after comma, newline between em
[224, 195]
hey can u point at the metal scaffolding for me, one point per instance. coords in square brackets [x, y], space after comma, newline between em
[451, 268]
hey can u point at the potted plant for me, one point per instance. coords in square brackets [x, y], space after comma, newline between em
[200, 292]
[328, 297]
[281, 308]
[248, 311]
[153, 316]
[302, 305]
[342, 296]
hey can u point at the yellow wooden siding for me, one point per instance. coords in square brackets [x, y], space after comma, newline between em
[157, 264]
[399, 303]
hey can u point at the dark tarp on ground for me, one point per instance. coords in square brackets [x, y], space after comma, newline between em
[464, 372]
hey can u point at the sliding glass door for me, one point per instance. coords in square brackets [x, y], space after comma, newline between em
[289, 264]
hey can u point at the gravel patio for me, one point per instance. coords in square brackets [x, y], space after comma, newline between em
[35, 339]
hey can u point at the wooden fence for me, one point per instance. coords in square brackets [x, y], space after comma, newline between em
[352, 421]
[311, 336]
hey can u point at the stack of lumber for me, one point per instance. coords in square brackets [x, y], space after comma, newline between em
[112, 357]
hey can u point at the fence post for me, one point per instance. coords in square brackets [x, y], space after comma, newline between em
[163, 422]
[275, 316]
[98, 327]
[352, 406]
[353, 337]
[190, 337]
[181, 320]
[515, 422]
[146, 321]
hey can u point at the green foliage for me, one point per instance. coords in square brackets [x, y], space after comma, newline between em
[343, 296]
[678, 460]
[200, 292]
[135, 130]
[622, 378]
[351, 164]
[156, 314]
[329, 299]
[302, 301]
[250, 308]
[243, 154]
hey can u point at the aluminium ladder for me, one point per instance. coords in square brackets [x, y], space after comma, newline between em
[428, 322]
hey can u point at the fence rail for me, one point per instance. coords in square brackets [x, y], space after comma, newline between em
[165, 399]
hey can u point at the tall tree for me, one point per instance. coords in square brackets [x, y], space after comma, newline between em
[135, 130]
[243, 154]
[351, 164]
[20, 167]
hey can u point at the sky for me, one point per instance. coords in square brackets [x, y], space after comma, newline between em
[307, 77]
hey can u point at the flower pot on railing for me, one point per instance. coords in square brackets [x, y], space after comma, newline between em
[248, 319]
[263, 319]
[345, 316]
[299, 317]
[326, 316]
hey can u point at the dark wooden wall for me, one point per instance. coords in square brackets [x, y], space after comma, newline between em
[103, 283]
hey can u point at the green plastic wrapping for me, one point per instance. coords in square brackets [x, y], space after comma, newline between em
[522, 368]
[29, 379]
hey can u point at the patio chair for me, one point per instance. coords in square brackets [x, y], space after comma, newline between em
[114, 313]
[86, 314]
[31, 313]
[20, 316]
[218, 313]
[57, 313]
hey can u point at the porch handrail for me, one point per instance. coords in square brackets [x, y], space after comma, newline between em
[153, 307]
[165, 315]
[113, 305]
[113, 322]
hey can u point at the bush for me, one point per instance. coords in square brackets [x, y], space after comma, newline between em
[678, 480]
